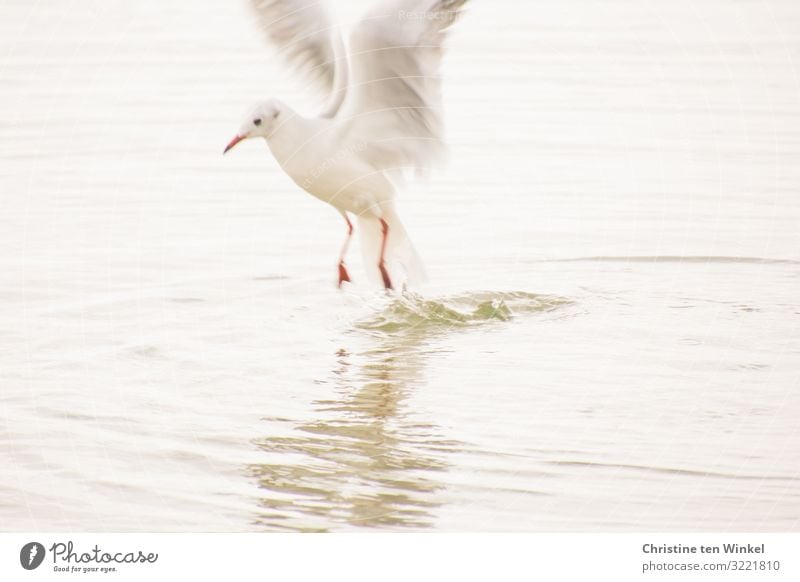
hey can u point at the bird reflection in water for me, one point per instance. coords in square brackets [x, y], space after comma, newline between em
[368, 461]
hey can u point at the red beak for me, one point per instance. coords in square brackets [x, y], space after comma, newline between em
[234, 141]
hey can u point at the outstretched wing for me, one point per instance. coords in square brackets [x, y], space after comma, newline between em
[309, 41]
[394, 99]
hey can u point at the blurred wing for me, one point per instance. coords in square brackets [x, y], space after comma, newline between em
[309, 41]
[394, 101]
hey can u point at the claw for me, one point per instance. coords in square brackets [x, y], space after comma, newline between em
[387, 282]
[343, 275]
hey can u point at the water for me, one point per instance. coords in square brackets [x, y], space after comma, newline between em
[611, 337]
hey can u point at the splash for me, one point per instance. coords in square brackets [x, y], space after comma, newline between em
[411, 311]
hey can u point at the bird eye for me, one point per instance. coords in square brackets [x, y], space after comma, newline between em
[257, 121]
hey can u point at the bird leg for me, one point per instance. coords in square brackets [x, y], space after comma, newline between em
[387, 282]
[343, 274]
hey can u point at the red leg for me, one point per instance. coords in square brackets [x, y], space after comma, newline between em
[387, 282]
[343, 274]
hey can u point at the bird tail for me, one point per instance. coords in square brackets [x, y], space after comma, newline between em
[401, 258]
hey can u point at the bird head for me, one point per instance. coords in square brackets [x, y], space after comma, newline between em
[261, 121]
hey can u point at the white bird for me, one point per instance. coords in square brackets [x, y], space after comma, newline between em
[382, 117]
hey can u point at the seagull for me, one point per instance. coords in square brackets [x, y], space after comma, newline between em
[381, 121]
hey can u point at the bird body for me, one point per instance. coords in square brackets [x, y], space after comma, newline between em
[313, 155]
[382, 119]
